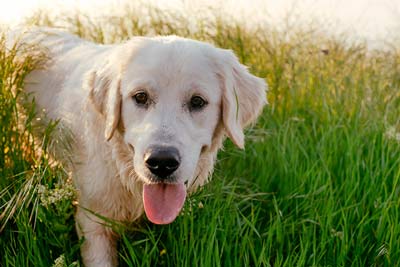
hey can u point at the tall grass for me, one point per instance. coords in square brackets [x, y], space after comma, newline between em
[318, 183]
[36, 220]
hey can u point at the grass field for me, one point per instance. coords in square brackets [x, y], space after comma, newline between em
[317, 185]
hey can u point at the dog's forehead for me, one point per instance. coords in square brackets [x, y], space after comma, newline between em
[176, 63]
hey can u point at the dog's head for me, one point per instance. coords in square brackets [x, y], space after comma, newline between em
[171, 98]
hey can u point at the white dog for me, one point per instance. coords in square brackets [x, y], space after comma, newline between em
[148, 117]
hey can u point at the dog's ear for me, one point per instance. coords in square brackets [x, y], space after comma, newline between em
[104, 83]
[105, 96]
[243, 95]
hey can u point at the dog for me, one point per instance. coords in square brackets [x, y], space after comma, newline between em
[148, 117]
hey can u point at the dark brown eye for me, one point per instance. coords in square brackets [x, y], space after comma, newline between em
[197, 103]
[141, 98]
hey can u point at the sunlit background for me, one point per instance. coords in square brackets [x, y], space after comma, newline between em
[372, 20]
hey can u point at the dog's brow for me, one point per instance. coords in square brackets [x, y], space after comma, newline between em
[134, 86]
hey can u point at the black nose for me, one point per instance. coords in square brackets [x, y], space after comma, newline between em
[162, 161]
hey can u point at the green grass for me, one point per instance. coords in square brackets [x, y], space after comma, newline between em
[318, 183]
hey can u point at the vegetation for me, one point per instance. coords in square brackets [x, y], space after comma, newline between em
[317, 185]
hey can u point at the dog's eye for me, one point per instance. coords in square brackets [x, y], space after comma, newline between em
[197, 103]
[141, 98]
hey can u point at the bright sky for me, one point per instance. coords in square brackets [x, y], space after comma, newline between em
[373, 20]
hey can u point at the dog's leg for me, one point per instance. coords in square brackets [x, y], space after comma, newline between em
[99, 245]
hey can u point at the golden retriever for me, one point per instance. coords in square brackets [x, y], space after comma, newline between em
[148, 117]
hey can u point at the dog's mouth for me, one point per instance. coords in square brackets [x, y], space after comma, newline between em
[163, 202]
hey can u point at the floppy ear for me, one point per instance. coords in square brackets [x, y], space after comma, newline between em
[243, 96]
[105, 95]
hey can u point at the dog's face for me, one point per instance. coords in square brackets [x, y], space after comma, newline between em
[170, 97]
[170, 109]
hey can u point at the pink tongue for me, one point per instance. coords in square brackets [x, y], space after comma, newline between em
[163, 202]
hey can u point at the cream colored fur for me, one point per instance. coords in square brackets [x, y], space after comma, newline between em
[90, 87]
